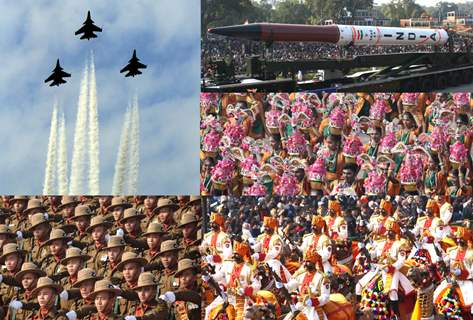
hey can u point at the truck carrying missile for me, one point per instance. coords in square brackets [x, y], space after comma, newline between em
[412, 71]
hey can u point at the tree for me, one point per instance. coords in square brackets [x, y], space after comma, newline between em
[290, 11]
[224, 12]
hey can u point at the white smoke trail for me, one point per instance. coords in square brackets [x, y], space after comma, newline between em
[62, 157]
[134, 149]
[121, 164]
[49, 185]
[94, 165]
[78, 153]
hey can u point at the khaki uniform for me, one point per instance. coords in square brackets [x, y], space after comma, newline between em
[24, 313]
[147, 218]
[155, 310]
[53, 267]
[105, 270]
[168, 282]
[190, 249]
[52, 314]
[19, 224]
[81, 240]
[127, 303]
[7, 293]
[98, 256]
[36, 252]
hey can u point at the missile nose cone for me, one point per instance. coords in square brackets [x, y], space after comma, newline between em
[247, 31]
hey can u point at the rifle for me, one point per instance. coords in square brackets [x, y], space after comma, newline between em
[293, 244]
[206, 270]
[284, 291]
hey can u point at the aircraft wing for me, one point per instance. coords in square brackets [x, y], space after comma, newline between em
[51, 77]
[65, 74]
[126, 68]
[81, 30]
[95, 28]
[140, 65]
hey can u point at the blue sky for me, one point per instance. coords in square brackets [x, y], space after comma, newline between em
[33, 34]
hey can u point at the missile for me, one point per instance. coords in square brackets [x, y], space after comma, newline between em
[337, 34]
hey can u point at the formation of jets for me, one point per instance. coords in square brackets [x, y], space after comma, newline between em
[88, 30]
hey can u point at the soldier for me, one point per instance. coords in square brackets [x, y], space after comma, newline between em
[34, 206]
[131, 223]
[313, 285]
[74, 261]
[131, 267]
[214, 241]
[40, 228]
[106, 266]
[46, 292]
[149, 204]
[28, 278]
[98, 232]
[81, 219]
[189, 242]
[104, 203]
[6, 236]
[51, 204]
[12, 258]
[117, 208]
[168, 255]
[186, 204]
[104, 296]
[153, 235]
[148, 305]
[57, 245]
[67, 207]
[79, 295]
[237, 276]
[269, 239]
[19, 220]
[164, 214]
[186, 301]
[460, 257]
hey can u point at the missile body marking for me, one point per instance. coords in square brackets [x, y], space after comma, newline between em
[337, 34]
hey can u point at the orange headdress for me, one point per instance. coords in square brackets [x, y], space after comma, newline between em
[432, 204]
[270, 222]
[242, 248]
[392, 225]
[319, 222]
[335, 206]
[264, 297]
[387, 206]
[218, 219]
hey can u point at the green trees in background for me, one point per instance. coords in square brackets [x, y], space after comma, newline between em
[228, 12]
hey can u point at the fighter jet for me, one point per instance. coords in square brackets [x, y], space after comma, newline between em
[57, 76]
[88, 28]
[133, 66]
